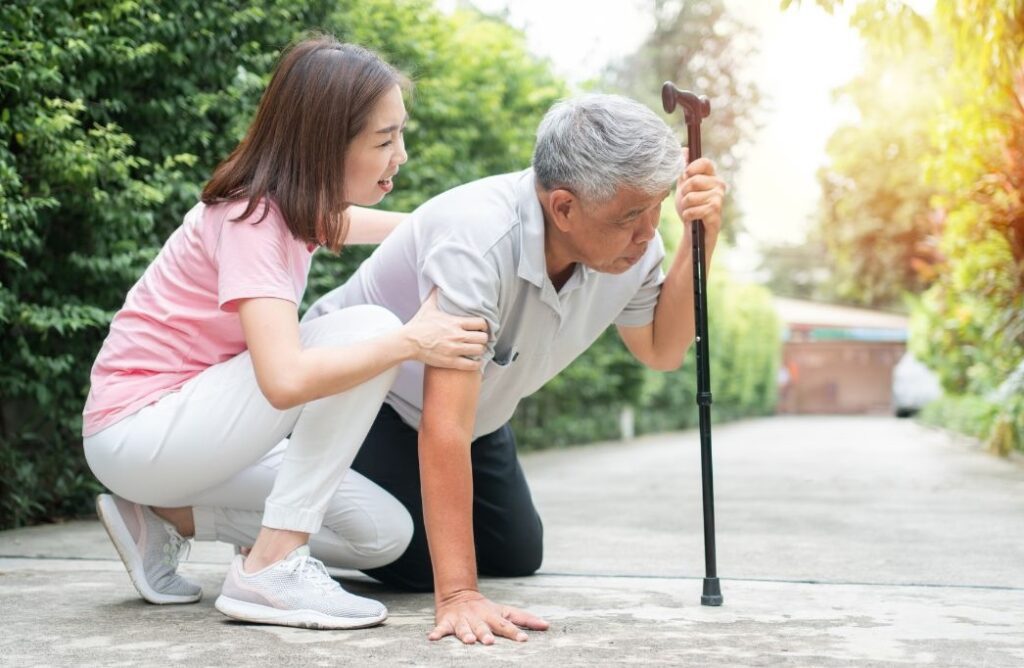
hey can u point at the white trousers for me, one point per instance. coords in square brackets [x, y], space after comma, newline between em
[219, 446]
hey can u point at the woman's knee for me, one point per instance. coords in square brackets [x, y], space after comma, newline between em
[394, 535]
[376, 531]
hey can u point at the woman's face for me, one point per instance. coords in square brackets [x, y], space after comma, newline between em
[375, 154]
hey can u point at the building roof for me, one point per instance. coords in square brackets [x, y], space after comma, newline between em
[832, 321]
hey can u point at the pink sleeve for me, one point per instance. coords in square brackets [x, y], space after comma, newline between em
[253, 260]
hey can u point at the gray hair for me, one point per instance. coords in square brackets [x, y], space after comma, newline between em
[593, 144]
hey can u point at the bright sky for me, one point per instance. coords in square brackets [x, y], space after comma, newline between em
[805, 54]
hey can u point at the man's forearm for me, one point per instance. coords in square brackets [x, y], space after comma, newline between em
[674, 327]
[446, 479]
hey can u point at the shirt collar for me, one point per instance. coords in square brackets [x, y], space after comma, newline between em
[532, 263]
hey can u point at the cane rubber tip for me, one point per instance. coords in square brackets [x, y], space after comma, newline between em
[712, 592]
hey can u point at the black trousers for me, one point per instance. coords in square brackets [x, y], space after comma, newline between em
[506, 527]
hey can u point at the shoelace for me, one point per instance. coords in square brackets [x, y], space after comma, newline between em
[175, 549]
[314, 571]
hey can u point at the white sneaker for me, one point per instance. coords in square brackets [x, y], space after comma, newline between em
[150, 549]
[296, 591]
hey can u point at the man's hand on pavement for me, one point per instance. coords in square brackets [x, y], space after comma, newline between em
[471, 617]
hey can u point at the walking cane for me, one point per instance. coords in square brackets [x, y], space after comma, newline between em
[694, 110]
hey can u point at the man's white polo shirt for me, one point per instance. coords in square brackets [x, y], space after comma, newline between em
[482, 245]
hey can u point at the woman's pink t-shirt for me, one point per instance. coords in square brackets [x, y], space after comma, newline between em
[181, 317]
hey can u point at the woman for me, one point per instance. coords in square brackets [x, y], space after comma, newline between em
[206, 368]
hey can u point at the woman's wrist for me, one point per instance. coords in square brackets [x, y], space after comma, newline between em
[405, 344]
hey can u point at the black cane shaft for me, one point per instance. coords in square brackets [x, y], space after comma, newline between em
[696, 108]
[710, 558]
[704, 395]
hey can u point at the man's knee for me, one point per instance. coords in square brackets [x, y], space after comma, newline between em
[412, 572]
[518, 554]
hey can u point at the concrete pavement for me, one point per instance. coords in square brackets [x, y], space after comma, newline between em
[842, 541]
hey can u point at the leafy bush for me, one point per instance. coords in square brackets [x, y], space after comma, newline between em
[974, 416]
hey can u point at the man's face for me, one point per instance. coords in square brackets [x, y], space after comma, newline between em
[612, 236]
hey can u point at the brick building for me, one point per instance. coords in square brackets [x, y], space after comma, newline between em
[837, 359]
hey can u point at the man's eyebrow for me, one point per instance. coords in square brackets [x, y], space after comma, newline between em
[391, 128]
[640, 209]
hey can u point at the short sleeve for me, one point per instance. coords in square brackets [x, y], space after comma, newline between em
[254, 260]
[640, 309]
[468, 283]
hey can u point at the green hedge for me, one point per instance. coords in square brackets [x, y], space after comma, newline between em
[999, 426]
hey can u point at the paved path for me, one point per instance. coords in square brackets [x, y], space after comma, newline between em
[842, 542]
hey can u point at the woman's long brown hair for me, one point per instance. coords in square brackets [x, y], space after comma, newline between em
[318, 100]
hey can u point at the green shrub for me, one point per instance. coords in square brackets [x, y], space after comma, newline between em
[999, 426]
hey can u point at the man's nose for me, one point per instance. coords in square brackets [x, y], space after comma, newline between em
[645, 231]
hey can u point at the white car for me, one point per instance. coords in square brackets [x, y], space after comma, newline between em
[913, 386]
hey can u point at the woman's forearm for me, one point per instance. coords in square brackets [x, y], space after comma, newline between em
[370, 226]
[320, 372]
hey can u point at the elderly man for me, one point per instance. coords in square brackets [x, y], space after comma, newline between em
[549, 257]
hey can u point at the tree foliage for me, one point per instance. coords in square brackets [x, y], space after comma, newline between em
[801, 270]
[703, 47]
[972, 321]
[875, 215]
[969, 141]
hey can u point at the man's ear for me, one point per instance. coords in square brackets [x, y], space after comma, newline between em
[564, 208]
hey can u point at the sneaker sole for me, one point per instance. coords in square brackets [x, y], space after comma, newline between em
[305, 619]
[121, 537]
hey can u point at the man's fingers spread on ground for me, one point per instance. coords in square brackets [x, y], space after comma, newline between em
[483, 632]
[464, 632]
[507, 629]
[440, 631]
[526, 620]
